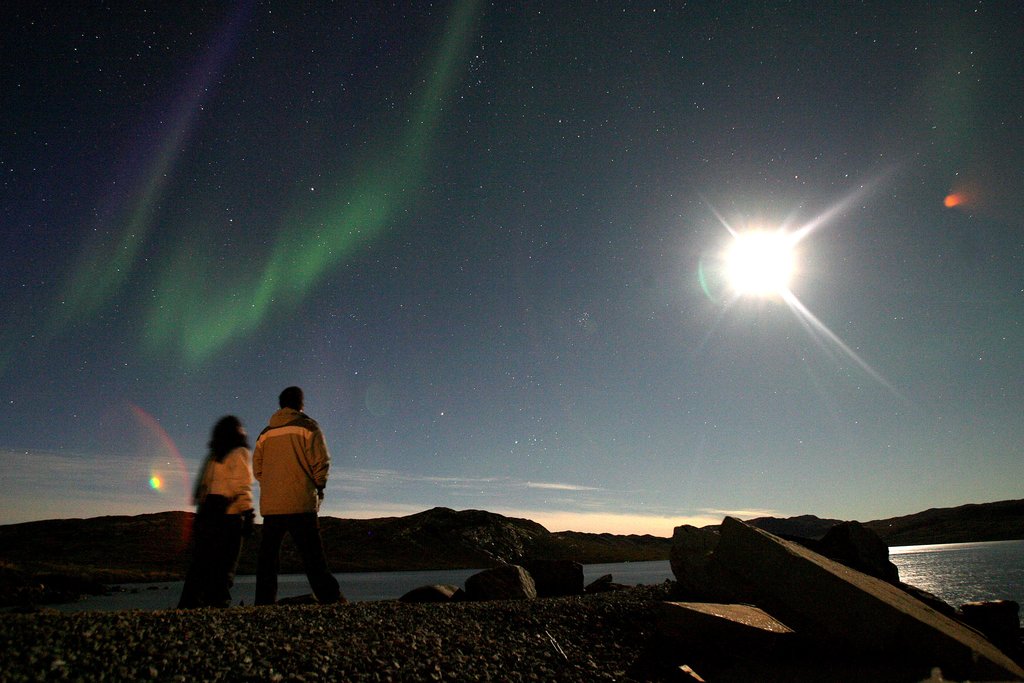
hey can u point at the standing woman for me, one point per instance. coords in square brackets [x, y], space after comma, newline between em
[224, 515]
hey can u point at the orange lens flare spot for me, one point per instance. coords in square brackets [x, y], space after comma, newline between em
[954, 199]
[156, 482]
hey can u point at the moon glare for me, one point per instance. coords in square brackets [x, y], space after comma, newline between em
[760, 263]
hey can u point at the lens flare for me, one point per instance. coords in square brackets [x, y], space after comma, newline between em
[168, 475]
[953, 199]
[167, 472]
[761, 263]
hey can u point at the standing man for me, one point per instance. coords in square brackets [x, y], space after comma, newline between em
[290, 461]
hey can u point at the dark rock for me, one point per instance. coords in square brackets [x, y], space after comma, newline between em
[999, 620]
[858, 547]
[603, 584]
[692, 548]
[435, 593]
[600, 584]
[556, 578]
[930, 599]
[838, 607]
[508, 582]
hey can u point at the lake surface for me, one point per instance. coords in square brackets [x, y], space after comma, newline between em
[956, 573]
[964, 572]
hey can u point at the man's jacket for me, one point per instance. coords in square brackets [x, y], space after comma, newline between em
[290, 462]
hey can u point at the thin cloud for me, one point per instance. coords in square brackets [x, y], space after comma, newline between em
[87, 485]
[369, 510]
[118, 485]
[352, 478]
[552, 486]
[610, 522]
[743, 514]
[373, 476]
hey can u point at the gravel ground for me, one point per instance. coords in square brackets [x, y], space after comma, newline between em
[586, 638]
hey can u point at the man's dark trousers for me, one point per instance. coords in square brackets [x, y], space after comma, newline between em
[305, 532]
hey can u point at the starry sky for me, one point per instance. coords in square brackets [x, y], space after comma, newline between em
[488, 240]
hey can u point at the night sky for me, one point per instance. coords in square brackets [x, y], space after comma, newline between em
[488, 240]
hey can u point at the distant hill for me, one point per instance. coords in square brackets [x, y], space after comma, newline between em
[976, 522]
[999, 521]
[155, 546]
[804, 526]
[107, 549]
[442, 538]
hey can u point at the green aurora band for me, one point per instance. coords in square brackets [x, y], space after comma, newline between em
[308, 247]
[101, 271]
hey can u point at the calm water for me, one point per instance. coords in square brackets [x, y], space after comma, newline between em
[357, 587]
[957, 573]
[963, 572]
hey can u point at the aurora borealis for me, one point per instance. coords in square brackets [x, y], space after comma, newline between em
[487, 241]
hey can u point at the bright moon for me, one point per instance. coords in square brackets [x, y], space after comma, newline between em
[760, 263]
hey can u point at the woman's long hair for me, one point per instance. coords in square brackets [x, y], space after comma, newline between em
[227, 436]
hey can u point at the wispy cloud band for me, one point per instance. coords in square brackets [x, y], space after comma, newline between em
[36, 485]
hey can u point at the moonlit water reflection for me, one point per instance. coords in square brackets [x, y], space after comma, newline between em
[964, 572]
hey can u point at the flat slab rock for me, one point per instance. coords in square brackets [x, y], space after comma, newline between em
[719, 627]
[739, 615]
[841, 607]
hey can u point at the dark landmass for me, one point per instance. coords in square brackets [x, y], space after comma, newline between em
[48, 560]
[973, 523]
[155, 546]
[1000, 521]
[40, 560]
[441, 538]
[804, 526]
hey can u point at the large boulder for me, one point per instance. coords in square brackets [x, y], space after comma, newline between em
[858, 547]
[554, 578]
[508, 582]
[839, 607]
[999, 620]
[691, 552]
[604, 584]
[930, 599]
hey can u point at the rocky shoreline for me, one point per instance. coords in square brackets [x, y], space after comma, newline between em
[613, 636]
[746, 605]
[579, 638]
